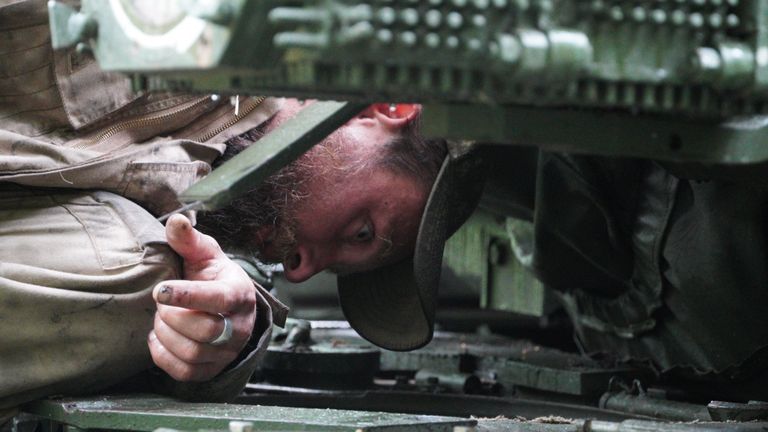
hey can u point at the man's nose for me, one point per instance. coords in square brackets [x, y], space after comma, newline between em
[302, 264]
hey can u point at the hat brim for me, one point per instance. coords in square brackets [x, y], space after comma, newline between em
[383, 306]
[394, 306]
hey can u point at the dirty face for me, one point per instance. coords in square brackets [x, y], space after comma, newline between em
[351, 214]
[352, 224]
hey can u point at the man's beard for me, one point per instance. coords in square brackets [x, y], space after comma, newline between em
[274, 203]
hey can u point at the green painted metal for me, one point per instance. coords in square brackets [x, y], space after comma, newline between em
[147, 413]
[696, 57]
[454, 382]
[483, 65]
[513, 363]
[321, 365]
[735, 141]
[573, 380]
[645, 426]
[655, 407]
[69, 27]
[277, 149]
[734, 411]
[481, 253]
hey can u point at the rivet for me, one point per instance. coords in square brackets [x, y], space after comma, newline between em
[696, 20]
[432, 40]
[479, 20]
[638, 14]
[384, 36]
[410, 16]
[678, 17]
[433, 18]
[454, 20]
[715, 20]
[474, 44]
[408, 38]
[616, 13]
[386, 15]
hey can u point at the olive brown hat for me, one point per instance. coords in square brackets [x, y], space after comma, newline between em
[394, 306]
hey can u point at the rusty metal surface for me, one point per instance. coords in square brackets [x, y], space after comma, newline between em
[422, 402]
[147, 413]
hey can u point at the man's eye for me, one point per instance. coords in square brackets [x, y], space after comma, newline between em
[365, 234]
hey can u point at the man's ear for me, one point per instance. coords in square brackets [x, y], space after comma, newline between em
[393, 116]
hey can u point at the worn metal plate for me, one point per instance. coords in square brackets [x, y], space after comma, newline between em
[275, 150]
[736, 141]
[404, 401]
[514, 362]
[147, 413]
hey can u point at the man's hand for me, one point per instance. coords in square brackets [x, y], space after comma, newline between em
[187, 317]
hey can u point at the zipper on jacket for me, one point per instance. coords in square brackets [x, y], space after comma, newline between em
[246, 108]
[142, 121]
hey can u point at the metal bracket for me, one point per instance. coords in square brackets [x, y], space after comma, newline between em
[68, 26]
[276, 150]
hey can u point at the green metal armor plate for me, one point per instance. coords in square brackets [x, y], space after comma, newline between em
[587, 68]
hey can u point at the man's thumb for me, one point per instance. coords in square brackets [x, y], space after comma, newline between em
[187, 241]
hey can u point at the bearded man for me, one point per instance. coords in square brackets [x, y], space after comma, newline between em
[80, 267]
[95, 292]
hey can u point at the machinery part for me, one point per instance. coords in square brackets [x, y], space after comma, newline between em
[299, 335]
[693, 57]
[277, 149]
[644, 426]
[325, 365]
[483, 66]
[736, 141]
[69, 27]
[147, 414]
[730, 411]
[565, 379]
[453, 382]
[653, 407]
[727, 66]
[262, 273]
[512, 362]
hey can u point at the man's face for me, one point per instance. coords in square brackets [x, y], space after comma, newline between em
[347, 220]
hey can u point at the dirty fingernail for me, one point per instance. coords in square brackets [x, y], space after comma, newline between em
[181, 222]
[164, 293]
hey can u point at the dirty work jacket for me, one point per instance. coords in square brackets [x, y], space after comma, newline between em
[82, 159]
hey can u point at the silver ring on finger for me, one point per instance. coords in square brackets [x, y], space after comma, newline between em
[226, 333]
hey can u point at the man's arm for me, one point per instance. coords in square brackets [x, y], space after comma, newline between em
[77, 272]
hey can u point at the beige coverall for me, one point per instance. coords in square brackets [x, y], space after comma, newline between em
[82, 159]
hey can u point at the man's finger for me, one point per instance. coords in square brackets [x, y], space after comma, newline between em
[175, 367]
[188, 350]
[196, 325]
[188, 242]
[207, 296]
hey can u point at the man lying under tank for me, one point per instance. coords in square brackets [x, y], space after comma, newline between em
[97, 295]
[91, 291]
[657, 263]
